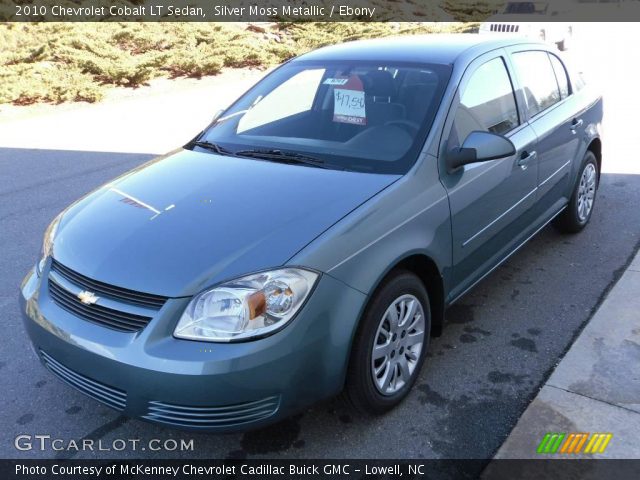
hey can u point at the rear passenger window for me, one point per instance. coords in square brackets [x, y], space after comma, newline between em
[561, 76]
[538, 80]
[487, 103]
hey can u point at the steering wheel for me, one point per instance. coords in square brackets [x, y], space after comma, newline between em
[412, 128]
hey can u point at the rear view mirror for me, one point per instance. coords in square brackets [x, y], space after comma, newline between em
[480, 147]
[216, 116]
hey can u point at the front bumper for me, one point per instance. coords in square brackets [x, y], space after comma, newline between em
[198, 385]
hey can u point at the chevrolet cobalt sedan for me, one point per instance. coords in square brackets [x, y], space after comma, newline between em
[310, 239]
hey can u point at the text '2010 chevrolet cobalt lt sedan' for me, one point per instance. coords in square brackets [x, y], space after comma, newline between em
[309, 240]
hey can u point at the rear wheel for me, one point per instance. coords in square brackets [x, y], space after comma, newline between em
[578, 212]
[390, 346]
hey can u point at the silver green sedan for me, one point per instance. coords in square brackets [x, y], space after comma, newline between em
[310, 239]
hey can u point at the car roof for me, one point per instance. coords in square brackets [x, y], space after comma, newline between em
[433, 48]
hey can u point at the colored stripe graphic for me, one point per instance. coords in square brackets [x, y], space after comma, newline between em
[577, 438]
[543, 443]
[551, 442]
[557, 444]
[581, 442]
[552, 439]
[572, 443]
[598, 443]
[607, 439]
[567, 443]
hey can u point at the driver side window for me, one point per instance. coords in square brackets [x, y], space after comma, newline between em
[487, 104]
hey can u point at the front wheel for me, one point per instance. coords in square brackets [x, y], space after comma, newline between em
[390, 345]
[578, 212]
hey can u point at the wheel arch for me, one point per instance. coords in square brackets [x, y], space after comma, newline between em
[426, 269]
[595, 147]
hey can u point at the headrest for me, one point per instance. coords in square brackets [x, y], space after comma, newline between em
[379, 83]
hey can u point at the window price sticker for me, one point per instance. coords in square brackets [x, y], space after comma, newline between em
[349, 104]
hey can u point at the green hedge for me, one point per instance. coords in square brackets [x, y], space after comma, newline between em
[61, 62]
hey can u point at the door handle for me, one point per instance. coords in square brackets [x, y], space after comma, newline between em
[525, 158]
[575, 124]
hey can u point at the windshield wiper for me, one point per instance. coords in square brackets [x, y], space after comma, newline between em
[214, 147]
[284, 157]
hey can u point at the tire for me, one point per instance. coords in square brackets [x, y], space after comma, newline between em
[576, 215]
[365, 390]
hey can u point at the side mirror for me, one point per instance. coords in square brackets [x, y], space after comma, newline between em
[480, 147]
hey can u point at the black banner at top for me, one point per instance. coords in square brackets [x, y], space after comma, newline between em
[318, 10]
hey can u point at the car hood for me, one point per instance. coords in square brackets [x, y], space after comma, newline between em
[188, 220]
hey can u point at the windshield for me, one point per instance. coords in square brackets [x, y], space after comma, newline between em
[361, 116]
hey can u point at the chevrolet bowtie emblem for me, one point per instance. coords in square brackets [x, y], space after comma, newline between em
[88, 298]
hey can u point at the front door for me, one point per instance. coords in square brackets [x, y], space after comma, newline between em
[490, 201]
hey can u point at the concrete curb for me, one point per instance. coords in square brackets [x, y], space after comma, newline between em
[596, 386]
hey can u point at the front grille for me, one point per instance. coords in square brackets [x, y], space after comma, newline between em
[113, 397]
[212, 417]
[103, 289]
[108, 317]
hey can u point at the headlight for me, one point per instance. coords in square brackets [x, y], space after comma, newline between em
[47, 242]
[247, 307]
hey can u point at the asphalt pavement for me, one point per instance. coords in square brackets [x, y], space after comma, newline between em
[594, 389]
[500, 344]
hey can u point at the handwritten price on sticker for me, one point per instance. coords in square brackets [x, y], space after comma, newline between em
[349, 99]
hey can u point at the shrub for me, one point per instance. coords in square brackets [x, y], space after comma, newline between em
[60, 62]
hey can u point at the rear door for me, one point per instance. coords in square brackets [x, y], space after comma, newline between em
[489, 201]
[552, 114]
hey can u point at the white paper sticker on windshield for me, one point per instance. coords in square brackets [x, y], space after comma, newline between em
[335, 81]
[349, 104]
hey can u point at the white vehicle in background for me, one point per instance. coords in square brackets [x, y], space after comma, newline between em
[533, 20]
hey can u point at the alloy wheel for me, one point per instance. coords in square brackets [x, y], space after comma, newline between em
[586, 192]
[398, 344]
